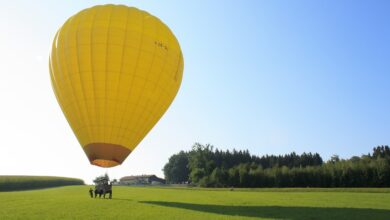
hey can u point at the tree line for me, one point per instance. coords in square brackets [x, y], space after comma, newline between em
[13, 183]
[208, 167]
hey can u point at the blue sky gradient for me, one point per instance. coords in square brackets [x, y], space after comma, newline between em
[269, 76]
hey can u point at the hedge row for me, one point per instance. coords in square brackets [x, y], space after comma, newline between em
[13, 183]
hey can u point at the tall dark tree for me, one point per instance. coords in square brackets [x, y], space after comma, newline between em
[176, 170]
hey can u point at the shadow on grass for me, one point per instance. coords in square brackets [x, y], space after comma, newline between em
[281, 212]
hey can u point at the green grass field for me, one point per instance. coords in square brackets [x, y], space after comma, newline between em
[73, 202]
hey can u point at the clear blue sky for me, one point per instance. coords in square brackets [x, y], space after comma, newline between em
[269, 76]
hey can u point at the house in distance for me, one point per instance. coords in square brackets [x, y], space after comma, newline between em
[141, 180]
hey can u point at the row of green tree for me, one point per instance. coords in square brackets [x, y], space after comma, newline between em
[13, 183]
[208, 167]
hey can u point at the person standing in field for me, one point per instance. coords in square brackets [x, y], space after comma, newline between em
[91, 192]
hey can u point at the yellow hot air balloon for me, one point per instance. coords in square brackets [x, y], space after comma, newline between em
[114, 70]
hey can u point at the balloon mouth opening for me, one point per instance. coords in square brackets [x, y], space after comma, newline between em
[104, 163]
[106, 154]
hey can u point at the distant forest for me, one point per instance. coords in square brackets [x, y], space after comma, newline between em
[14, 183]
[208, 167]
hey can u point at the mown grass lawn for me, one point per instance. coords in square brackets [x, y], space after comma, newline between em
[73, 202]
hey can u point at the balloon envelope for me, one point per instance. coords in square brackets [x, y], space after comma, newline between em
[114, 70]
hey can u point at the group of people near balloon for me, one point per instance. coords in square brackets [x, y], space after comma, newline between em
[101, 192]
